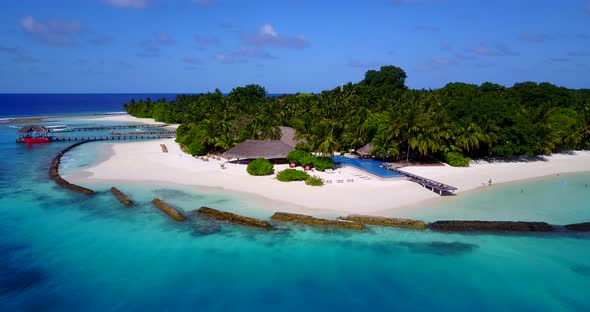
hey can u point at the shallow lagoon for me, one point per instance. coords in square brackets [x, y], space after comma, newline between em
[61, 251]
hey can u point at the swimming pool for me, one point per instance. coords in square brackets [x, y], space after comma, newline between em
[368, 165]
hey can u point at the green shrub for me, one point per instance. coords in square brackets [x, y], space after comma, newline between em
[289, 175]
[302, 146]
[260, 167]
[307, 160]
[296, 155]
[197, 149]
[314, 181]
[456, 159]
[323, 163]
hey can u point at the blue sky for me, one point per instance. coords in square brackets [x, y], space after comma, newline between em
[286, 45]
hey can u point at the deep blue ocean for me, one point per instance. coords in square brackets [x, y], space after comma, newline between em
[61, 251]
[14, 105]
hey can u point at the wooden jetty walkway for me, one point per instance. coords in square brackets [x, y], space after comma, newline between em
[99, 128]
[437, 187]
[115, 137]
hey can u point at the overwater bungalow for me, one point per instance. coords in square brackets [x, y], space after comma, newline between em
[33, 134]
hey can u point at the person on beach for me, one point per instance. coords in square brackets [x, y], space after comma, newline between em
[490, 182]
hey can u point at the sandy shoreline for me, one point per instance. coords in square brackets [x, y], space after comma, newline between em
[358, 192]
[127, 118]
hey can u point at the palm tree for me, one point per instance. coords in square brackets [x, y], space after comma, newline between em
[224, 141]
[328, 145]
[304, 127]
[426, 142]
[468, 137]
[271, 133]
[384, 146]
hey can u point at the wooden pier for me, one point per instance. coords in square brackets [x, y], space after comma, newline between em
[100, 128]
[114, 137]
[437, 187]
[43, 133]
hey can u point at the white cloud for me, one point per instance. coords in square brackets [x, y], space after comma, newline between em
[20, 54]
[192, 60]
[267, 30]
[268, 36]
[163, 38]
[441, 60]
[481, 51]
[204, 3]
[205, 41]
[224, 59]
[135, 4]
[242, 55]
[52, 31]
[365, 64]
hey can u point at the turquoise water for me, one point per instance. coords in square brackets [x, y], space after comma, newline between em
[368, 165]
[60, 251]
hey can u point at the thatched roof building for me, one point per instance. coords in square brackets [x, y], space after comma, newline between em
[252, 149]
[365, 151]
[33, 129]
[288, 136]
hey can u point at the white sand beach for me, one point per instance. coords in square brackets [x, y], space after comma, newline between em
[127, 119]
[351, 190]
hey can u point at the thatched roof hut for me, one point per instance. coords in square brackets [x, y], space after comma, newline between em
[288, 136]
[33, 129]
[365, 151]
[252, 149]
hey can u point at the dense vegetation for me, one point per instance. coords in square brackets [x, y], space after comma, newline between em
[304, 158]
[314, 181]
[455, 159]
[260, 167]
[289, 175]
[468, 120]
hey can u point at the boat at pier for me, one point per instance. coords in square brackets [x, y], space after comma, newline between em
[59, 128]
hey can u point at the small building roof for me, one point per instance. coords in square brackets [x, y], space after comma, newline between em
[252, 149]
[365, 150]
[33, 128]
[288, 136]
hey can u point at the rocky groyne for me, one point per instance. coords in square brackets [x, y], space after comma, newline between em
[232, 218]
[317, 222]
[121, 197]
[390, 222]
[169, 210]
[54, 172]
[490, 226]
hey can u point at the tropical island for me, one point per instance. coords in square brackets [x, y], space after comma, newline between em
[464, 136]
[450, 124]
